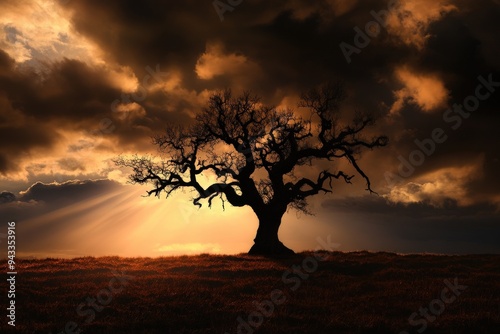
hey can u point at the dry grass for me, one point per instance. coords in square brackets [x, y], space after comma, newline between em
[356, 292]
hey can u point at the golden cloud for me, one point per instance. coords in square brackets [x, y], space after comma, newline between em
[44, 27]
[440, 185]
[425, 90]
[215, 62]
[411, 19]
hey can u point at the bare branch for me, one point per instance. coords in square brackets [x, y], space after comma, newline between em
[240, 142]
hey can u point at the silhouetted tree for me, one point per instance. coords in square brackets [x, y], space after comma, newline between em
[253, 151]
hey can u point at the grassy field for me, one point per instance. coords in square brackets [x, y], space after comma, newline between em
[357, 292]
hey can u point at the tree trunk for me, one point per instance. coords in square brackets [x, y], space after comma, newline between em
[266, 242]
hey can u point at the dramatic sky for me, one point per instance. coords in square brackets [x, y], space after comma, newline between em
[82, 82]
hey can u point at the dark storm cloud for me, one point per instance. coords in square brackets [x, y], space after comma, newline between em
[67, 192]
[70, 92]
[7, 197]
[422, 210]
[17, 134]
[421, 227]
[18, 139]
[41, 198]
[296, 52]
[293, 49]
[72, 96]
[48, 199]
[147, 33]
[46, 213]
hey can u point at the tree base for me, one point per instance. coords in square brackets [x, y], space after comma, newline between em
[275, 250]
